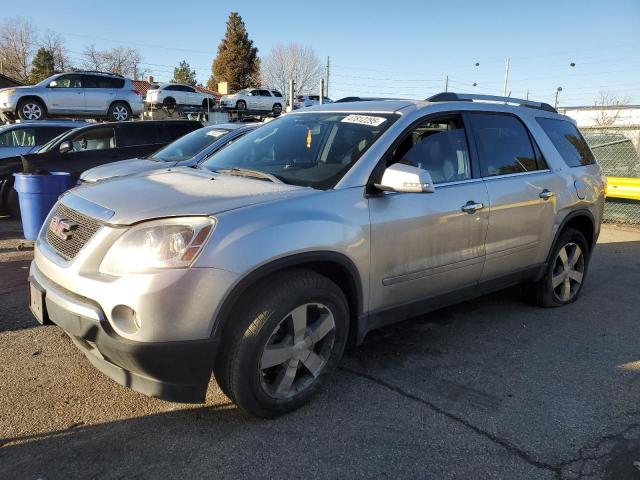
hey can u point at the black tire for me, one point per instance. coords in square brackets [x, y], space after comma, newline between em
[241, 105]
[207, 103]
[13, 204]
[277, 109]
[169, 104]
[31, 109]
[119, 112]
[264, 314]
[543, 292]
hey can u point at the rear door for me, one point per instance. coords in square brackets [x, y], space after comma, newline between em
[67, 96]
[521, 191]
[426, 244]
[99, 93]
[138, 139]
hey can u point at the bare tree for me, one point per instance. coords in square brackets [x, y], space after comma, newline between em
[295, 62]
[54, 43]
[609, 109]
[121, 60]
[18, 42]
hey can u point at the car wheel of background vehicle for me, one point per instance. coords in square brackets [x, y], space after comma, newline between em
[277, 109]
[31, 109]
[241, 105]
[119, 112]
[208, 103]
[169, 103]
[13, 203]
[565, 273]
[278, 348]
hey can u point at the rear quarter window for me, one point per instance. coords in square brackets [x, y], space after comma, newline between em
[133, 134]
[177, 130]
[567, 139]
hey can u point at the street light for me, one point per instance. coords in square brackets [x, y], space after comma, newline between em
[558, 90]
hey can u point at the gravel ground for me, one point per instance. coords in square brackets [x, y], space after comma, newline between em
[492, 388]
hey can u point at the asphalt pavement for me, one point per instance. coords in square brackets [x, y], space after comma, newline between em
[491, 388]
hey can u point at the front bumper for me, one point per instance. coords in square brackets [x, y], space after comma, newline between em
[175, 371]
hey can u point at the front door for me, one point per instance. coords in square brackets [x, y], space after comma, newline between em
[521, 191]
[67, 95]
[426, 244]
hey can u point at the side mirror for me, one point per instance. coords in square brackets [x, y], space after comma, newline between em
[65, 146]
[53, 84]
[407, 179]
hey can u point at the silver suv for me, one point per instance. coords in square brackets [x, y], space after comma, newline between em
[79, 94]
[305, 234]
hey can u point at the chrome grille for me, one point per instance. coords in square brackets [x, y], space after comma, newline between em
[87, 227]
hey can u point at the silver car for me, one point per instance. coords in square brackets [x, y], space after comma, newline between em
[25, 137]
[187, 151]
[309, 232]
[78, 94]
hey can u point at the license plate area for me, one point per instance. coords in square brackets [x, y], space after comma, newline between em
[36, 302]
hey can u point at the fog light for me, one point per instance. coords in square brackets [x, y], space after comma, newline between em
[126, 319]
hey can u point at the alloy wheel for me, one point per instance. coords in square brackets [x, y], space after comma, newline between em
[297, 351]
[120, 113]
[568, 272]
[32, 111]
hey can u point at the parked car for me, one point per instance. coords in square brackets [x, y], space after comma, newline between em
[187, 151]
[311, 231]
[309, 101]
[24, 137]
[81, 94]
[255, 99]
[171, 94]
[361, 99]
[76, 150]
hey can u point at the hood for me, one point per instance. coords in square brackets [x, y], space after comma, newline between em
[121, 168]
[180, 191]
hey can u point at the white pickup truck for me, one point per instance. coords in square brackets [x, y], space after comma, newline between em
[172, 94]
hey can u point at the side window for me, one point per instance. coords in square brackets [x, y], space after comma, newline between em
[568, 141]
[438, 146]
[255, 93]
[265, 93]
[504, 145]
[18, 137]
[190, 89]
[139, 133]
[276, 93]
[176, 130]
[172, 88]
[69, 81]
[95, 139]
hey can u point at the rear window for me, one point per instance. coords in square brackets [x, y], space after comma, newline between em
[177, 130]
[568, 141]
[135, 134]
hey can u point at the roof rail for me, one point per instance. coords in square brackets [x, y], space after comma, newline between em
[471, 97]
[98, 71]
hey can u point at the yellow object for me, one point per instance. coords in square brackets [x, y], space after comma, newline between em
[308, 138]
[623, 188]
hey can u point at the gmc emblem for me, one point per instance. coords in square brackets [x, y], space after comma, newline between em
[61, 227]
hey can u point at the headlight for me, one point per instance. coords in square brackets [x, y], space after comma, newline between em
[168, 243]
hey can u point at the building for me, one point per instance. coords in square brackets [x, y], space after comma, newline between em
[8, 82]
[600, 116]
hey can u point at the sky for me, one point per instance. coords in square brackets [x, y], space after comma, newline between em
[381, 48]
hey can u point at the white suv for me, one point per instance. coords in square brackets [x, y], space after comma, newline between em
[261, 100]
[171, 94]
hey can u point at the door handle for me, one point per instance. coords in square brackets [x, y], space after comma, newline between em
[472, 207]
[545, 194]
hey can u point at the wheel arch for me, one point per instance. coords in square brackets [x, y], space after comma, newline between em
[31, 96]
[581, 220]
[333, 265]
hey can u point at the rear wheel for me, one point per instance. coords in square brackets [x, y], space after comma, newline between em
[119, 112]
[278, 351]
[241, 105]
[31, 109]
[277, 109]
[565, 272]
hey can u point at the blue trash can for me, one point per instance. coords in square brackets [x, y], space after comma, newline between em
[37, 195]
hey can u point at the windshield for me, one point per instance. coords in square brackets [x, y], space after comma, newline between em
[188, 146]
[49, 145]
[314, 149]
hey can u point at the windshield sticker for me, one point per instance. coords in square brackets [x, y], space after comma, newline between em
[364, 120]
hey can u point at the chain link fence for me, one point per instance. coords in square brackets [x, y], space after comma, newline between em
[617, 150]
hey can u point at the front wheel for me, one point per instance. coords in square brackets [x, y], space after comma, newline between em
[565, 272]
[241, 105]
[277, 109]
[31, 110]
[278, 351]
[119, 112]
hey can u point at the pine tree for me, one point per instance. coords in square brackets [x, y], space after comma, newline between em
[42, 66]
[237, 60]
[183, 74]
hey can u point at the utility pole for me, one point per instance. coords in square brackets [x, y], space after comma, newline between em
[558, 90]
[446, 83]
[291, 94]
[527, 94]
[327, 76]
[321, 91]
[506, 77]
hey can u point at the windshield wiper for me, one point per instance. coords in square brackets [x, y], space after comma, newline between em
[247, 172]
